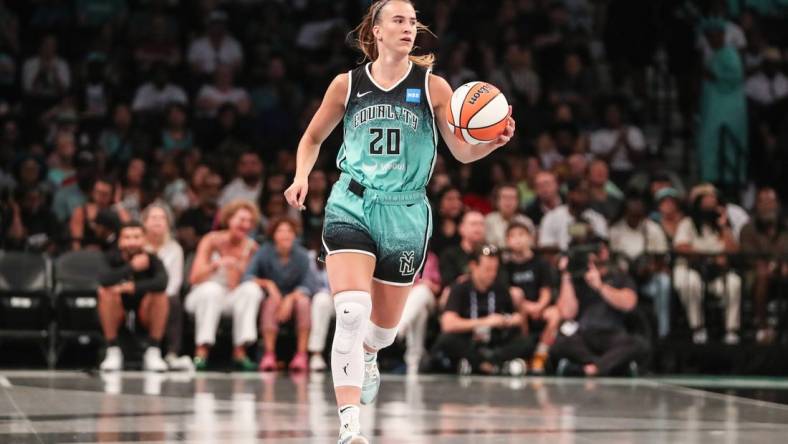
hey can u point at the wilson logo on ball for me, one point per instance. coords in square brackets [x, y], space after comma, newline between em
[478, 113]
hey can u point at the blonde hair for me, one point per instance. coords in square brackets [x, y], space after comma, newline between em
[228, 211]
[167, 215]
[364, 38]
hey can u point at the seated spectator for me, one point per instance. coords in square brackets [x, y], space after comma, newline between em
[130, 189]
[765, 241]
[198, 220]
[643, 247]
[605, 197]
[547, 197]
[480, 324]
[157, 220]
[46, 76]
[447, 219]
[669, 212]
[768, 84]
[72, 196]
[282, 269]
[594, 303]
[61, 162]
[454, 259]
[554, 228]
[176, 190]
[215, 48]
[176, 135]
[33, 227]
[120, 141]
[618, 144]
[156, 95]
[211, 97]
[221, 259]
[29, 171]
[94, 224]
[496, 223]
[529, 279]
[136, 280]
[248, 182]
[159, 44]
[737, 216]
[704, 239]
[516, 77]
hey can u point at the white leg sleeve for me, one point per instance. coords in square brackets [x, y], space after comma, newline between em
[322, 312]
[378, 338]
[347, 353]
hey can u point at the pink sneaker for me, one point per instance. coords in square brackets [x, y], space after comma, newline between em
[268, 363]
[299, 362]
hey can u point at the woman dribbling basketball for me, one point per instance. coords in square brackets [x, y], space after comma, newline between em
[377, 220]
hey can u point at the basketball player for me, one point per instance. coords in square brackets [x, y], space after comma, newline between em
[377, 220]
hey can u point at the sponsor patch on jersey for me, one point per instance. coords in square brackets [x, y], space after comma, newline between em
[413, 95]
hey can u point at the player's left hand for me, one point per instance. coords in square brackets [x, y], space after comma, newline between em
[507, 134]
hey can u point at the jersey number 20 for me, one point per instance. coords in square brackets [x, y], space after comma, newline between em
[392, 140]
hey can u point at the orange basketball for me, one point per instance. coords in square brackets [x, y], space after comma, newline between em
[478, 113]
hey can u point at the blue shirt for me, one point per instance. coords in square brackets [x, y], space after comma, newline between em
[294, 275]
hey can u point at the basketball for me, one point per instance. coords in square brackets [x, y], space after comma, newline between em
[478, 113]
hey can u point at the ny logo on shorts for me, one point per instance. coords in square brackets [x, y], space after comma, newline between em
[406, 263]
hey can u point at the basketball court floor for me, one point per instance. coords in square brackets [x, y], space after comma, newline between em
[71, 407]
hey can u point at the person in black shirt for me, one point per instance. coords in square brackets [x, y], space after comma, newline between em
[479, 323]
[198, 220]
[529, 278]
[135, 280]
[597, 338]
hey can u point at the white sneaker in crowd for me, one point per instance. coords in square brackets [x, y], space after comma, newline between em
[113, 360]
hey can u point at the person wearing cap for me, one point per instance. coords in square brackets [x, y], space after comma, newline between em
[722, 133]
[215, 48]
[737, 216]
[668, 212]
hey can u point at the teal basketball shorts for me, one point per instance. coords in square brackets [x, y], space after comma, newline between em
[392, 227]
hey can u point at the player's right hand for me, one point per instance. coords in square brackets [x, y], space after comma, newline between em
[296, 193]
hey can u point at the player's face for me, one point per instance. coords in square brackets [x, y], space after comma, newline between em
[518, 240]
[396, 27]
[131, 240]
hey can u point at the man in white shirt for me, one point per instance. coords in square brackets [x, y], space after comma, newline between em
[216, 48]
[619, 144]
[156, 95]
[554, 229]
[497, 222]
[46, 75]
[211, 97]
[768, 84]
[249, 180]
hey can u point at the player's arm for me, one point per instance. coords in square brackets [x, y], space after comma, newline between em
[440, 95]
[323, 122]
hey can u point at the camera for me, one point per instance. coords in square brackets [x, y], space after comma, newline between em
[583, 243]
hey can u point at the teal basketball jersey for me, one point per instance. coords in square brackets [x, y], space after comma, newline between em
[390, 137]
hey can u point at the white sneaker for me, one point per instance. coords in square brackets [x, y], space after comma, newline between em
[371, 384]
[179, 363]
[152, 361]
[731, 338]
[350, 428]
[317, 363]
[113, 360]
[700, 337]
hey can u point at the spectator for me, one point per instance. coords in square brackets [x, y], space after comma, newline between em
[176, 190]
[529, 279]
[517, 79]
[159, 44]
[768, 85]
[120, 141]
[156, 95]
[605, 197]
[731, 33]
[157, 220]
[765, 242]
[554, 228]
[454, 259]
[722, 135]
[704, 239]
[216, 48]
[217, 289]
[447, 220]
[547, 197]
[211, 97]
[595, 303]
[480, 324]
[30, 172]
[737, 216]
[457, 71]
[573, 83]
[282, 269]
[248, 182]
[34, 227]
[496, 223]
[72, 196]
[643, 247]
[619, 144]
[46, 76]
[669, 212]
[95, 13]
[322, 313]
[197, 221]
[131, 188]
[136, 280]
[176, 135]
[61, 162]
[94, 224]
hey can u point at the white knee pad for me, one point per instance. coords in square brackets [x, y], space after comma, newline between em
[379, 338]
[347, 354]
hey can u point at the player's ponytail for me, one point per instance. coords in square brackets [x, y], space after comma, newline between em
[364, 38]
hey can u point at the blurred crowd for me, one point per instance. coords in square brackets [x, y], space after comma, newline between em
[185, 115]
